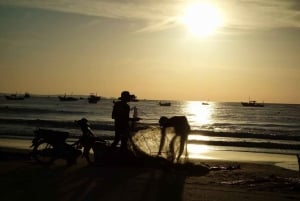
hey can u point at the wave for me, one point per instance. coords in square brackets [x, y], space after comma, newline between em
[56, 124]
[267, 145]
[246, 135]
[255, 128]
[108, 125]
[292, 125]
[16, 110]
[11, 124]
[252, 138]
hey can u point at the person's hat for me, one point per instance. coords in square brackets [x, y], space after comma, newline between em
[125, 95]
[82, 121]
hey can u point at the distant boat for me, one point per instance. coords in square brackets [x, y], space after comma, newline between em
[164, 103]
[67, 98]
[205, 103]
[94, 98]
[252, 103]
[14, 97]
[27, 95]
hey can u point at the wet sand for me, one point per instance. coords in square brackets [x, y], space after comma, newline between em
[201, 152]
[24, 179]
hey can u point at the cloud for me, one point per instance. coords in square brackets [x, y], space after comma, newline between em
[102, 8]
[158, 15]
[295, 5]
[263, 14]
[152, 13]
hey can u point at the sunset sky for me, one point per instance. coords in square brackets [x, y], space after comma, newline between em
[157, 49]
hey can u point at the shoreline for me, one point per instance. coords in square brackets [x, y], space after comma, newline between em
[287, 161]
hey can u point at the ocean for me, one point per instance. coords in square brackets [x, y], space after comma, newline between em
[274, 128]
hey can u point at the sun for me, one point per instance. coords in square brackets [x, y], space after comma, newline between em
[202, 19]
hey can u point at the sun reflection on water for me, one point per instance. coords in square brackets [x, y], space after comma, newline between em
[198, 112]
[197, 149]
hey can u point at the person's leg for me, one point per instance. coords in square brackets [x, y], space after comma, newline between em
[124, 140]
[172, 149]
[117, 138]
[86, 150]
[182, 146]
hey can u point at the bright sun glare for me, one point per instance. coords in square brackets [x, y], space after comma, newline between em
[201, 19]
[199, 113]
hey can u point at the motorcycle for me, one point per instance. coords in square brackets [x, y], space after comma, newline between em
[50, 145]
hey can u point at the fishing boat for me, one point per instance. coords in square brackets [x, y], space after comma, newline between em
[27, 95]
[67, 98]
[14, 97]
[252, 103]
[94, 98]
[164, 103]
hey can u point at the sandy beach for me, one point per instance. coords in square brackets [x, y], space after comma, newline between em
[24, 179]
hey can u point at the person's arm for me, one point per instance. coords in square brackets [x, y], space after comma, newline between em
[90, 132]
[113, 114]
[162, 140]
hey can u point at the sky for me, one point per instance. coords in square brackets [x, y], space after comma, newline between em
[149, 48]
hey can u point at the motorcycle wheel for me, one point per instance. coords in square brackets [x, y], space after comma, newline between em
[43, 153]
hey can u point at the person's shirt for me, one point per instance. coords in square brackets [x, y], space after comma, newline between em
[86, 131]
[179, 123]
[120, 113]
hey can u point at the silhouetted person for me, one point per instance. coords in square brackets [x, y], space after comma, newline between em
[120, 114]
[181, 128]
[87, 138]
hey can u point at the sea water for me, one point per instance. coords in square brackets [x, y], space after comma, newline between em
[274, 128]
